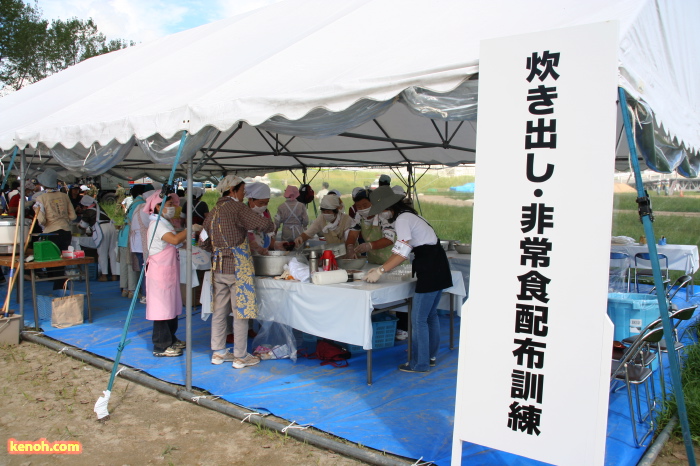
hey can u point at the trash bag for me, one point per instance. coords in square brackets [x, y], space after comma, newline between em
[275, 341]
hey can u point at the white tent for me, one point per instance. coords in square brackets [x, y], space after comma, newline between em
[339, 83]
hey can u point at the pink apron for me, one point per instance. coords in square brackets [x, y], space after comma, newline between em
[164, 300]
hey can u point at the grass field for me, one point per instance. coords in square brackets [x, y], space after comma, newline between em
[345, 180]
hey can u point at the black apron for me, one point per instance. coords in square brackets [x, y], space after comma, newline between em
[431, 267]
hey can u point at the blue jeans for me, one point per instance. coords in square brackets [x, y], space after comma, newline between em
[425, 330]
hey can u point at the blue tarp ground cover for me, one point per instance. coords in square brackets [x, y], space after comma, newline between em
[405, 414]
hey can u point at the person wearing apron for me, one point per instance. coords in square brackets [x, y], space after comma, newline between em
[101, 235]
[258, 195]
[225, 235]
[54, 212]
[378, 234]
[128, 277]
[333, 223]
[291, 215]
[430, 266]
[200, 209]
[163, 276]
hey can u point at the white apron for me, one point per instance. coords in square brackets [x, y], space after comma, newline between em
[164, 300]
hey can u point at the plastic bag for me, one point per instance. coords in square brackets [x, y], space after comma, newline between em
[275, 341]
[299, 270]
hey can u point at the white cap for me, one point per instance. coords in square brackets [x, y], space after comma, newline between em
[257, 190]
[229, 182]
[84, 188]
[330, 202]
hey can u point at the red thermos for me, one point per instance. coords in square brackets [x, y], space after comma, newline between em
[328, 261]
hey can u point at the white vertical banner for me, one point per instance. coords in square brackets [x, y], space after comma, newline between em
[535, 344]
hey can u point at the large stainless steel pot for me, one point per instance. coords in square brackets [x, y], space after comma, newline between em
[7, 234]
[272, 264]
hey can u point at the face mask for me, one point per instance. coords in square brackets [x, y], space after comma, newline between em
[386, 215]
[364, 213]
[169, 212]
[259, 209]
[329, 217]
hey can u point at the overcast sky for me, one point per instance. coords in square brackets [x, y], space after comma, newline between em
[144, 20]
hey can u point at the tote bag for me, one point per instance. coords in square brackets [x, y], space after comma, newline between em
[68, 310]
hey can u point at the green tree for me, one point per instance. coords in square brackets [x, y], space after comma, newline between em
[75, 40]
[22, 39]
[31, 48]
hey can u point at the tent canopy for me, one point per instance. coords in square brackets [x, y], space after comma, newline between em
[328, 83]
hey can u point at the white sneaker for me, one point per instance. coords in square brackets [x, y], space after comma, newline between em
[169, 352]
[142, 300]
[248, 360]
[218, 358]
[401, 334]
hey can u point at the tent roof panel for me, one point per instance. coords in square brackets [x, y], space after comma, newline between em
[299, 55]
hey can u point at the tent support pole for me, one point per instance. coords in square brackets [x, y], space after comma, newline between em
[9, 169]
[646, 217]
[22, 232]
[412, 188]
[123, 342]
[188, 285]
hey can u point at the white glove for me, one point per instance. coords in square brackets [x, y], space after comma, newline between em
[350, 251]
[373, 275]
[197, 228]
[298, 241]
[362, 248]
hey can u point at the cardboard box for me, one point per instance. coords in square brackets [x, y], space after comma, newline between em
[9, 330]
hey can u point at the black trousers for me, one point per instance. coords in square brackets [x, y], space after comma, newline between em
[60, 238]
[164, 334]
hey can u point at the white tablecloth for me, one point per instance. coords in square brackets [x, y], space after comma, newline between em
[341, 312]
[462, 263]
[681, 257]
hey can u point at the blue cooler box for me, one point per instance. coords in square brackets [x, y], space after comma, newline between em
[631, 312]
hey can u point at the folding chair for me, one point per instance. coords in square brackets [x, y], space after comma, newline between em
[675, 317]
[673, 289]
[633, 368]
[619, 270]
[642, 268]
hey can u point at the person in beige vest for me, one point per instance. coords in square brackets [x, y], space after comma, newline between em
[333, 223]
[55, 213]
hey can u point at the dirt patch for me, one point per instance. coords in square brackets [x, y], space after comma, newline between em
[624, 188]
[673, 453]
[50, 395]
